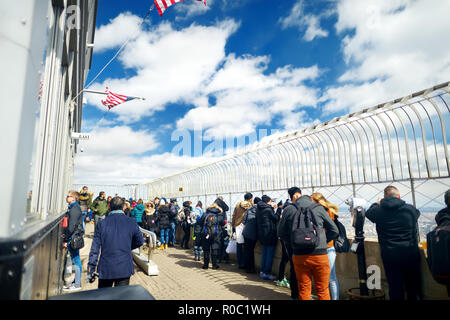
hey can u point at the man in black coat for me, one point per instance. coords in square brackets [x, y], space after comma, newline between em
[284, 226]
[224, 233]
[396, 224]
[266, 221]
[163, 220]
[443, 216]
[250, 234]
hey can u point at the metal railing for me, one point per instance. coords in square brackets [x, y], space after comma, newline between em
[403, 141]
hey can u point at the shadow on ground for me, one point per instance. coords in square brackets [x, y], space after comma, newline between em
[255, 292]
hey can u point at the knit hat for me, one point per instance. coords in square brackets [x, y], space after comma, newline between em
[162, 202]
[199, 204]
[293, 190]
[256, 200]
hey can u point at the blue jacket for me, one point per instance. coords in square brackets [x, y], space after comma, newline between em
[138, 212]
[115, 236]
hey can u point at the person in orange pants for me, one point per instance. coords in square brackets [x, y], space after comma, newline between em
[312, 262]
[312, 266]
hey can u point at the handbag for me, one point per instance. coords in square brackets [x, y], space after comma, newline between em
[341, 244]
[239, 235]
[77, 240]
[232, 246]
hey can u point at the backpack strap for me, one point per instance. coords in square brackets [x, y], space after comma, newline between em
[312, 206]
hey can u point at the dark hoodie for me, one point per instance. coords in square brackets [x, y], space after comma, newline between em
[443, 216]
[266, 221]
[396, 223]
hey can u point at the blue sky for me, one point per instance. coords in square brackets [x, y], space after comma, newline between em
[234, 68]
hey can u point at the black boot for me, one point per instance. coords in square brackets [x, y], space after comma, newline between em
[205, 259]
[214, 262]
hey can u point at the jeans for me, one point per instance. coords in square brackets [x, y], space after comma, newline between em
[284, 260]
[172, 229]
[333, 283]
[89, 215]
[97, 218]
[83, 214]
[292, 277]
[267, 258]
[76, 261]
[197, 251]
[249, 254]
[164, 239]
[240, 254]
[104, 283]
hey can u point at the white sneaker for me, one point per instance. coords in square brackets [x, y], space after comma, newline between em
[67, 286]
[72, 288]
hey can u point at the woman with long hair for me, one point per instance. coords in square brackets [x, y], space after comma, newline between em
[332, 211]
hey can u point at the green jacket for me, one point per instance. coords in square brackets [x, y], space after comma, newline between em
[100, 206]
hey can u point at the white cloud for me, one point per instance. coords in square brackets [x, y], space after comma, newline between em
[118, 140]
[114, 34]
[307, 23]
[247, 97]
[123, 169]
[171, 65]
[395, 48]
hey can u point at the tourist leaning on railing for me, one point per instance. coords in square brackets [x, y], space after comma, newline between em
[396, 224]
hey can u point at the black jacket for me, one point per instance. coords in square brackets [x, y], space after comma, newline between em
[396, 223]
[285, 225]
[163, 217]
[443, 216]
[200, 226]
[75, 219]
[149, 221]
[266, 221]
[250, 228]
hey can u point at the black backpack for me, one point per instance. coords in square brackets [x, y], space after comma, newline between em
[438, 253]
[211, 225]
[341, 244]
[305, 233]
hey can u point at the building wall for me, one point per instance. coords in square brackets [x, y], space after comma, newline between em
[45, 43]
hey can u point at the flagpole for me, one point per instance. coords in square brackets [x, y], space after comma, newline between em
[102, 92]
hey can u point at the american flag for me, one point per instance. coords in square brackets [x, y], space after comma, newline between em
[162, 5]
[113, 99]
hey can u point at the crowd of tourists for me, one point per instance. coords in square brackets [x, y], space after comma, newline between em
[305, 226]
